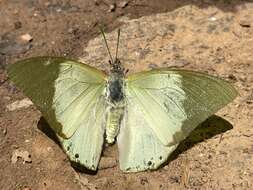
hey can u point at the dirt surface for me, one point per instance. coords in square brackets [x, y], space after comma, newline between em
[210, 36]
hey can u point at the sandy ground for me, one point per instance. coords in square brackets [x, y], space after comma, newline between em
[209, 36]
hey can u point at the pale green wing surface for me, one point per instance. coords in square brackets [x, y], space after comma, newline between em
[174, 102]
[65, 91]
[85, 146]
[139, 147]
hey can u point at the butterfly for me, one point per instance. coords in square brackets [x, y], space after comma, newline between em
[147, 113]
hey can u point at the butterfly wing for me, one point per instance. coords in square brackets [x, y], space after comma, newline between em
[85, 145]
[174, 102]
[63, 90]
[139, 147]
[69, 95]
[170, 103]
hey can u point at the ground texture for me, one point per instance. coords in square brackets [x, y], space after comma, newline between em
[209, 36]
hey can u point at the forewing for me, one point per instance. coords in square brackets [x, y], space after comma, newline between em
[63, 90]
[139, 147]
[174, 102]
[85, 146]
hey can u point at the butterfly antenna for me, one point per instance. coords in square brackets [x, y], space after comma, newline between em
[116, 54]
[107, 47]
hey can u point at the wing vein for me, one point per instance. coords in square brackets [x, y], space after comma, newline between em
[61, 79]
[161, 105]
[77, 99]
[71, 86]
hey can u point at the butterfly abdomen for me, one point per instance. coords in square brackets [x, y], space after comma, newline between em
[115, 110]
[114, 117]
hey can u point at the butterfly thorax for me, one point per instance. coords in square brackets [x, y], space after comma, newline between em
[115, 83]
[115, 102]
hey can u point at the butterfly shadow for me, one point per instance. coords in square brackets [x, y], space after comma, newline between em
[47, 130]
[211, 127]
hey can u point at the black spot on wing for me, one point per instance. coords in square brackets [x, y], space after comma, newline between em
[149, 163]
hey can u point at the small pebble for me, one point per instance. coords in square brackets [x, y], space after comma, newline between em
[26, 37]
[245, 23]
[24, 155]
[212, 18]
[112, 8]
[123, 4]
[70, 30]
[25, 103]
[4, 131]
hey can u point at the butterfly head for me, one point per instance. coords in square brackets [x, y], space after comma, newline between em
[116, 67]
[115, 64]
